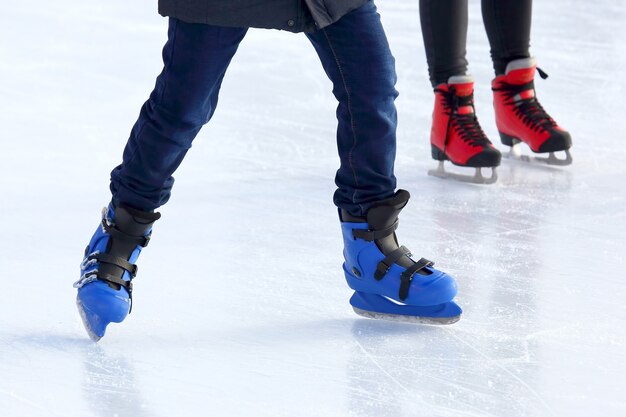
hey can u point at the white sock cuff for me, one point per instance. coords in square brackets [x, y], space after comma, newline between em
[520, 64]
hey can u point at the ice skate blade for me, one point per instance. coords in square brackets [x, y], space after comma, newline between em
[406, 319]
[83, 315]
[477, 178]
[516, 154]
[377, 306]
[553, 160]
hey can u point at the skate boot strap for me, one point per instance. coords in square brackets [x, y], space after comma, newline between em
[372, 235]
[407, 276]
[119, 281]
[383, 266]
[121, 263]
[116, 233]
[117, 261]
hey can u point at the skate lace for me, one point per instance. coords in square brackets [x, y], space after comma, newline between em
[529, 110]
[466, 125]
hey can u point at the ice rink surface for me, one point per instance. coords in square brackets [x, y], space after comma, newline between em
[241, 308]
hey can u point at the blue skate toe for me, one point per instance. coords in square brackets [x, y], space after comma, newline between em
[99, 305]
[427, 290]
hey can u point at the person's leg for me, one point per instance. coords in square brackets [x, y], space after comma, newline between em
[507, 23]
[444, 29]
[519, 115]
[195, 58]
[456, 134]
[357, 59]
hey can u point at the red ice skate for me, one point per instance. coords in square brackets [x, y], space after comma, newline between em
[520, 117]
[456, 134]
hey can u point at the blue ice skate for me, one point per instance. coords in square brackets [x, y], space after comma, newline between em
[105, 287]
[388, 283]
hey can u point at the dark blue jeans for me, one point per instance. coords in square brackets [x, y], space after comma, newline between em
[356, 57]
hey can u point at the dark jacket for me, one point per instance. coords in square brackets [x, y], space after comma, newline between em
[291, 15]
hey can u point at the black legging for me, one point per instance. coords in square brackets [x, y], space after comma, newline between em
[444, 27]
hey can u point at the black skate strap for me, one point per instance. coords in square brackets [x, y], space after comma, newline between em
[407, 276]
[113, 231]
[115, 280]
[117, 261]
[383, 266]
[119, 281]
[371, 235]
[122, 263]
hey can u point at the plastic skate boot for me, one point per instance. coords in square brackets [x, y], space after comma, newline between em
[388, 283]
[456, 135]
[521, 118]
[105, 287]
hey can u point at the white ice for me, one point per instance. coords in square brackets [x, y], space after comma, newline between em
[241, 308]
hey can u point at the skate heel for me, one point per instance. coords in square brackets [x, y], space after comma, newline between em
[508, 140]
[437, 154]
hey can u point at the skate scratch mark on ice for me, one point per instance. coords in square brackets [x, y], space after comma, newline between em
[526, 230]
[398, 383]
[560, 330]
[454, 236]
[470, 410]
[461, 386]
[457, 412]
[31, 403]
[521, 381]
[466, 386]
